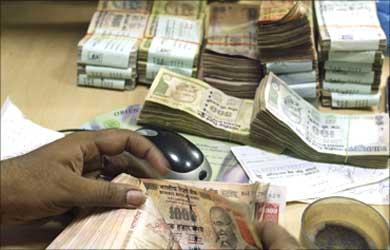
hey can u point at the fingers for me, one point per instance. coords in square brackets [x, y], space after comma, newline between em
[96, 193]
[115, 141]
[275, 237]
[127, 163]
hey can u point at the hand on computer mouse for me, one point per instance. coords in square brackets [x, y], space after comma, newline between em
[48, 181]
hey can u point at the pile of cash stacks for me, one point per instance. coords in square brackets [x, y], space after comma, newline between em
[351, 43]
[232, 45]
[128, 42]
[285, 40]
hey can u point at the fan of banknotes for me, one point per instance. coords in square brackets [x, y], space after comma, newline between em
[278, 119]
[351, 45]
[285, 39]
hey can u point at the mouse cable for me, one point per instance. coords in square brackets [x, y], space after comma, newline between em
[70, 130]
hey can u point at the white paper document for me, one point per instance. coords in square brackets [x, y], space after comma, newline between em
[374, 194]
[20, 135]
[308, 180]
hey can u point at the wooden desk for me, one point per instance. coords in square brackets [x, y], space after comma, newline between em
[38, 72]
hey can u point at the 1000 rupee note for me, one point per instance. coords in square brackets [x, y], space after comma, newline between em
[202, 219]
[266, 201]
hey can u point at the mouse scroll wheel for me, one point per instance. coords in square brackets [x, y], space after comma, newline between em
[147, 132]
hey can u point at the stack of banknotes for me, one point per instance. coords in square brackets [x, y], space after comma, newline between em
[230, 59]
[107, 55]
[172, 40]
[351, 45]
[128, 42]
[285, 39]
[276, 120]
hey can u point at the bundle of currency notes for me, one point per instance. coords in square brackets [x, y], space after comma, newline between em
[351, 45]
[107, 55]
[192, 106]
[176, 215]
[173, 43]
[286, 44]
[230, 60]
[279, 113]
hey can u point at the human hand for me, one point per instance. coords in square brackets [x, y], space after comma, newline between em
[49, 181]
[275, 237]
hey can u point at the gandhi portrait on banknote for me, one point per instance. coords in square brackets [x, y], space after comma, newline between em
[225, 229]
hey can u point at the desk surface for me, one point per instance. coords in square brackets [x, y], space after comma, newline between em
[38, 72]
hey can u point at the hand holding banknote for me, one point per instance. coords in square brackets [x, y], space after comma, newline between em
[49, 181]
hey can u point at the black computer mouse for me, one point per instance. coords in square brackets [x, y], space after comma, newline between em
[187, 162]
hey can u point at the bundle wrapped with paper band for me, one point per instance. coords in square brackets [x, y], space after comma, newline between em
[107, 55]
[345, 100]
[102, 57]
[179, 56]
[230, 59]
[278, 119]
[351, 45]
[286, 44]
[171, 42]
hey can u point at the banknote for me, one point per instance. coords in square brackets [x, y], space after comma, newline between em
[175, 27]
[360, 32]
[118, 24]
[201, 101]
[230, 60]
[142, 228]
[176, 55]
[192, 106]
[108, 50]
[134, 6]
[315, 135]
[267, 205]
[188, 9]
[201, 219]
[231, 29]
[343, 100]
[109, 83]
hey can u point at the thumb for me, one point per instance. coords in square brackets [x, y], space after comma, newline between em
[275, 237]
[99, 193]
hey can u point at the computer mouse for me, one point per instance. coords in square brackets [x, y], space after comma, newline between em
[187, 162]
